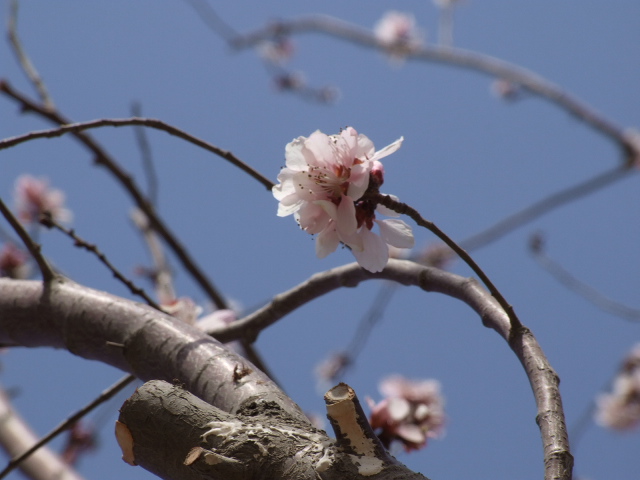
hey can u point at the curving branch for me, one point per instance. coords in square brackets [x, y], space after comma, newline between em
[543, 379]
[145, 122]
[457, 57]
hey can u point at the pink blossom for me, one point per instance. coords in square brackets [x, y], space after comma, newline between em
[13, 262]
[323, 185]
[184, 309]
[411, 413]
[277, 51]
[398, 31]
[620, 409]
[34, 197]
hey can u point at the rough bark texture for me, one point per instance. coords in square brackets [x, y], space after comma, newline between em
[260, 442]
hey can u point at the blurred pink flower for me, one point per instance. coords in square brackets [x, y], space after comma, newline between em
[411, 413]
[323, 184]
[13, 262]
[33, 197]
[398, 32]
[277, 51]
[620, 409]
[184, 309]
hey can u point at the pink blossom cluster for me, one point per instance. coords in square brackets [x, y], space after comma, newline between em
[34, 197]
[411, 413]
[324, 184]
[398, 30]
[620, 409]
[13, 262]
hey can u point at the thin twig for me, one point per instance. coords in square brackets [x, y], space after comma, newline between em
[49, 222]
[562, 275]
[404, 209]
[104, 396]
[104, 159]
[545, 205]
[23, 59]
[146, 122]
[48, 274]
[147, 158]
[492, 66]
[209, 16]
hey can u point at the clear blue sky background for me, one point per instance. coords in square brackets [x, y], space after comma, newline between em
[468, 161]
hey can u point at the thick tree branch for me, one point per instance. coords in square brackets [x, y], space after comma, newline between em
[132, 337]
[258, 442]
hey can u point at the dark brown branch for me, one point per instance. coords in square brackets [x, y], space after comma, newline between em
[49, 222]
[146, 122]
[102, 158]
[47, 272]
[405, 209]
[452, 56]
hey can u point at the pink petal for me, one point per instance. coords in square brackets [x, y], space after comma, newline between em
[327, 241]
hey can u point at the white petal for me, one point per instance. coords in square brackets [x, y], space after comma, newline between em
[295, 159]
[388, 150]
[375, 255]
[286, 210]
[397, 233]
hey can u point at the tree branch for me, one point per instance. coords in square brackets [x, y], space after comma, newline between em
[543, 379]
[133, 337]
[200, 441]
[456, 57]
[48, 274]
[104, 159]
[146, 122]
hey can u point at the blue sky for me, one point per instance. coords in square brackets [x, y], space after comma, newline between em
[468, 160]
